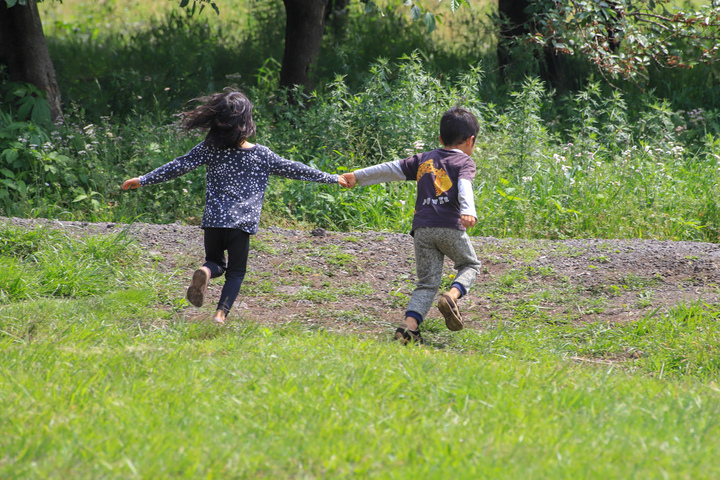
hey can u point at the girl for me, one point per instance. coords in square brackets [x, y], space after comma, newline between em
[237, 176]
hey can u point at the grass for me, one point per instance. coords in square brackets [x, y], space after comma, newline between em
[118, 383]
[249, 401]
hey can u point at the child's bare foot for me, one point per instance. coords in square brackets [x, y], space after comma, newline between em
[198, 286]
[219, 318]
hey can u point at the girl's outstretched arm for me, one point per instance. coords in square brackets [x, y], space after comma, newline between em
[132, 183]
[296, 170]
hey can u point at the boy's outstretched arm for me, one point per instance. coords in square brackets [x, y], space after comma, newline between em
[132, 183]
[381, 173]
[347, 180]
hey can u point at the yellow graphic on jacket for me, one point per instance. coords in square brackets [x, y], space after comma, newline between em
[442, 180]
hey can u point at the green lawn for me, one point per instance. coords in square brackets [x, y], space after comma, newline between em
[116, 383]
[190, 401]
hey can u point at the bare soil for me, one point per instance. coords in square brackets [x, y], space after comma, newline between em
[360, 282]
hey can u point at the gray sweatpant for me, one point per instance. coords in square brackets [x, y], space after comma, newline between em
[432, 245]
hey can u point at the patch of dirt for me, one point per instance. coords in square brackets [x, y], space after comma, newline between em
[360, 282]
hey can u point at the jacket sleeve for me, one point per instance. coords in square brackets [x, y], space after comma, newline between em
[297, 170]
[176, 168]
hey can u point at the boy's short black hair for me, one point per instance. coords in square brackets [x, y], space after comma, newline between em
[457, 125]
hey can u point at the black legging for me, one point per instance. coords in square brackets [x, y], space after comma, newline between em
[237, 244]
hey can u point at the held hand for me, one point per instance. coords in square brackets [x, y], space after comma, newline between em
[347, 180]
[468, 221]
[132, 183]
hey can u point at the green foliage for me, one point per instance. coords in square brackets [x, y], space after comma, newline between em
[157, 69]
[29, 101]
[396, 111]
[610, 167]
[598, 164]
[595, 162]
[395, 114]
[624, 37]
[43, 263]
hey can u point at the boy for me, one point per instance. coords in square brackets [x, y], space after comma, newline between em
[444, 209]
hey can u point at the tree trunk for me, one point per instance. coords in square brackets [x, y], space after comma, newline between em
[520, 22]
[336, 13]
[515, 20]
[22, 42]
[303, 38]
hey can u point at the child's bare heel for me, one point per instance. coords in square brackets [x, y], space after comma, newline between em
[219, 318]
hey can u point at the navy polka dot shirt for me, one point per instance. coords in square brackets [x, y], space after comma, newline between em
[236, 181]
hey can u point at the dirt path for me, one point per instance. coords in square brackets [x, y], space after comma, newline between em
[360, 282]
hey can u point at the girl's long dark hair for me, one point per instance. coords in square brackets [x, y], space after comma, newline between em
[226, 115]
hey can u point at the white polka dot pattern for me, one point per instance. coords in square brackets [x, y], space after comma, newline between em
[236, 181]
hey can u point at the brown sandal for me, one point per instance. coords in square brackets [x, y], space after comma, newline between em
[451, 313]
[198, 287]
[405, 335]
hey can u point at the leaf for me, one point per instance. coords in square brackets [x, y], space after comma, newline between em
[429, 22]
[10, 3]
[415, 12]
[80, 198]
[184, 3]
[41, 112]
[10, 155]
[24, 110]
[7, 173]
[9, 183]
